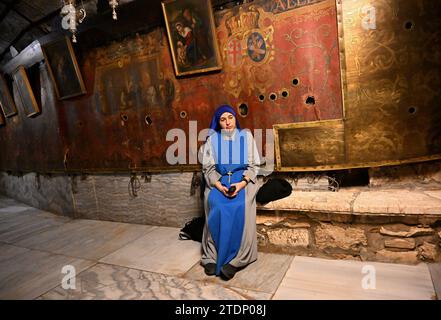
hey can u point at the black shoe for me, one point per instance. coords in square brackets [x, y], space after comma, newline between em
[228, 271]
[210, 269]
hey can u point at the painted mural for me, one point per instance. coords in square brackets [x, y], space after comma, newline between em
[280, 65]
[286, 63]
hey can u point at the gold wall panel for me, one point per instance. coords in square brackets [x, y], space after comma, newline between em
[390, 60]
[391, 54]
[309, 145]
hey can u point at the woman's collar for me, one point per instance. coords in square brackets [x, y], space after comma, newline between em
[229, 135]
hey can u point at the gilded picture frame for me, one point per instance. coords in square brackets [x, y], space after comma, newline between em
[7, 104]
[63, 68]
[25, 93]
[192, 36]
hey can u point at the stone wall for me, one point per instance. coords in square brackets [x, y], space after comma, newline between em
[171, 199]
[371, 238]
[166, 199]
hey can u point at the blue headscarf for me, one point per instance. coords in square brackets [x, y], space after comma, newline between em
[214, 125]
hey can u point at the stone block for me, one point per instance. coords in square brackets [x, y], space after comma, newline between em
[428, 252]
[408, 257]
[289, 237]
[400, 243]
[405, 231]
[327, 235]
[375, 241]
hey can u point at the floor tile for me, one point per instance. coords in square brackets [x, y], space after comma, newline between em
[158, 251]
[87, 239]
[15, 227]
[263, 275]
[114, 282]
[314, 278]
[27, 274]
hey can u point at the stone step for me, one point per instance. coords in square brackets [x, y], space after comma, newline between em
[410, 206]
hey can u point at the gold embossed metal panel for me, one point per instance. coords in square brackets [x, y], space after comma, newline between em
[390, 57]
[392, 67]
[309, 145]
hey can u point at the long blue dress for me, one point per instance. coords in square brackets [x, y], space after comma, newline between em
[227, 215]
[228, 218]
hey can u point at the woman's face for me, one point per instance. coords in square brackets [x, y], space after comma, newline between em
[227, 121]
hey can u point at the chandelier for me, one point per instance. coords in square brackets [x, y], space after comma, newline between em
[73, 16]
[113, 4]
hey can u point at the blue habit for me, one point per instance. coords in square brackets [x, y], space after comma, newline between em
[226, 218]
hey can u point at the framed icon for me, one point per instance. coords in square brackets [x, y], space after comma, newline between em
[63, 68]
[192, 36]
[25, 93]
[7, 104]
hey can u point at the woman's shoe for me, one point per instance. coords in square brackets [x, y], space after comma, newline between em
[228, 271]
[210, 269]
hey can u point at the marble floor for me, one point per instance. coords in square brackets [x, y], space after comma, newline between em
[45, 256]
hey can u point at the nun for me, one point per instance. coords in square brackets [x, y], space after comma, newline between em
[230, 161]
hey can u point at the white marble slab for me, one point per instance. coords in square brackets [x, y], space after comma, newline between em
[16, 226]
[263, 275]
[113, 282]
[158, 251]
[87, 239]
[27, 274]
[320, 279]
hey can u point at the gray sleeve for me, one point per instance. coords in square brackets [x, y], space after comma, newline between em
[209, 165]
[253, 159]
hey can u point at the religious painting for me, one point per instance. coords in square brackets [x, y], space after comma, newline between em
[25, 93]
[7, 104]
[135, 83]
[192, 36]
[63, 68]
[256, 47]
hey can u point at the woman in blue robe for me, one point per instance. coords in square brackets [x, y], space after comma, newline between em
[230, 166]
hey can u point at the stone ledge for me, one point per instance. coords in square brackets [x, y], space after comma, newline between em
[362, 206]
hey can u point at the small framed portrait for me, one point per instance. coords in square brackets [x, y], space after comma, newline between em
[63, 68]
[192, 36]
[7, 104]
[25, 93]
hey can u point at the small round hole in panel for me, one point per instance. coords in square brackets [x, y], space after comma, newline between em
[409, 25]
[243, 109]
[310, 100]
[412, 110]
